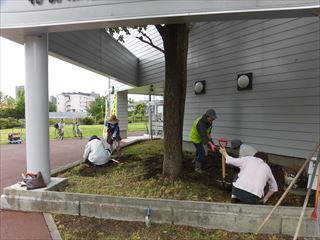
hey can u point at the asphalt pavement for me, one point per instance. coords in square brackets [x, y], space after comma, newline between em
[29, 225]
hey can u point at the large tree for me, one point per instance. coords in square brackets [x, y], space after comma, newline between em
[52, 107]
[20, 104]
[97, 107]
[175, 42]
[6, 101]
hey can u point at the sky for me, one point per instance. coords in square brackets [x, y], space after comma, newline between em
[63, 76]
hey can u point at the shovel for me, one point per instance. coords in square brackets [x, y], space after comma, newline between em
[224, 185]
[314, 214]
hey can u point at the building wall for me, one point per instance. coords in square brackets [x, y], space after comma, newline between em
[61, 103]
[97, 51]
[151, 60]
[281, 113]
[73, 102]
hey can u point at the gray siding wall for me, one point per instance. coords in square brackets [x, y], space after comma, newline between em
[96, 51]
[151, 67]
[281, 113]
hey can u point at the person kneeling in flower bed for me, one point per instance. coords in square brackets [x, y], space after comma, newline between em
[255, 174]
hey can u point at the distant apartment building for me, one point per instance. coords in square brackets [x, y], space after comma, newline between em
[74, 101]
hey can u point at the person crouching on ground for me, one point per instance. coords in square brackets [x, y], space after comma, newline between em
[113, 132]
[242, 149]
[95, 152]
[255, 174]
[201, 134]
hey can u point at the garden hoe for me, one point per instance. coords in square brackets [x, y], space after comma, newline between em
[224, 185]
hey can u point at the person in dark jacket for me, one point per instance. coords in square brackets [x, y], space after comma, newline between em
[113, 132]
[200, 134]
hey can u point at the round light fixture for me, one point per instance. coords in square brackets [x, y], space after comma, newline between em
[198, 87]
[243, 81]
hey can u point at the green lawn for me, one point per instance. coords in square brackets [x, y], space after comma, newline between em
[87, 130]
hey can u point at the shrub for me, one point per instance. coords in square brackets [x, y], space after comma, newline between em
[88, 121]
[10, 112]
[10, 123]
[101, 121]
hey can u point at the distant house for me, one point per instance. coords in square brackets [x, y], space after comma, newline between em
[74, 101]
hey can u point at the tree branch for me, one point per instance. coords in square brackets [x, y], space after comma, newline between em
[150, 43]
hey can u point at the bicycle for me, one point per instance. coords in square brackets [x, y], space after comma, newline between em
[78, 132]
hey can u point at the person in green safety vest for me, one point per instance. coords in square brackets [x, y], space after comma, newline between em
[200, 134]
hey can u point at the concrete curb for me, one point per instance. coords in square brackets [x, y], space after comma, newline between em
[54, 232]
[65, 167]
[231, 217]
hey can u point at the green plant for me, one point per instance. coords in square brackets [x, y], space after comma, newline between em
[88, 121]
[101, 121]
[10, 123]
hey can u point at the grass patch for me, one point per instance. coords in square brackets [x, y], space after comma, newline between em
[139, 175]
[137, 127]
[87, 130]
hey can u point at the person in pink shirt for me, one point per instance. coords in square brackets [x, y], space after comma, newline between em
[255, 174]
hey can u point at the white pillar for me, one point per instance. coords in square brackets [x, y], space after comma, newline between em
[122, 112]
[36, 99]
[150, 118]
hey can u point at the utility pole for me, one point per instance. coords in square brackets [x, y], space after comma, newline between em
[150, 113]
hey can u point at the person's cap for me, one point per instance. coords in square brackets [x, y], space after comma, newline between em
[211, 113]
[93, 137]
[235, 143]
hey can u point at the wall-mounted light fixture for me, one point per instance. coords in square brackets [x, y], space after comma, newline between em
[244, 81]
[200, 87]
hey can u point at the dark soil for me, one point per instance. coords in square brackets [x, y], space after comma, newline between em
[87, 228]
[213, 176]
[210, 179]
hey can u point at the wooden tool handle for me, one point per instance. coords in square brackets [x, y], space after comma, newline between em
[318, 190]
[223, 162]
[288, 189]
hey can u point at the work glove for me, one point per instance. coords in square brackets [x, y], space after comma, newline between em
[212, 147]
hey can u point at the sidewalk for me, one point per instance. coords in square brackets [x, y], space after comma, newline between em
[32, 226]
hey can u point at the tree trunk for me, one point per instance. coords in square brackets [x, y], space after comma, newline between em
[175, 40]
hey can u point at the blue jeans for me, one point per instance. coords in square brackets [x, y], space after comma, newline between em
[200, 153]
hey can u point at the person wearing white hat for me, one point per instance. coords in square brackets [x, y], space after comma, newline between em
[95, 152]
[201, 134]
[243, 149]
